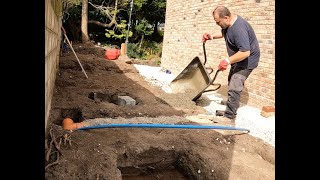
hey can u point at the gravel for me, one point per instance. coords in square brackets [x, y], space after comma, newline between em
[247, 117]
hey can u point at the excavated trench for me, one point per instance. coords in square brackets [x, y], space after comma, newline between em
[146, 165]
[167, 164]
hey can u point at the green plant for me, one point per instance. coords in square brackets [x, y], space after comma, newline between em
[150, 50]
[119, 32]
[133, 51]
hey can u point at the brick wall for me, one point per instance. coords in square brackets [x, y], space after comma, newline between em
[187, 20]
[52, 49]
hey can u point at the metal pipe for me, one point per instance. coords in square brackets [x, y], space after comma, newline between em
[129, 24]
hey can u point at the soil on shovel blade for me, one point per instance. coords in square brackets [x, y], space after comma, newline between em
[138, 153]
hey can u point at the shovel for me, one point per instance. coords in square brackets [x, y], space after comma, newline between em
[194, 79]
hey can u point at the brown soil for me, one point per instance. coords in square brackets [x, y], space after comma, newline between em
[139, 153]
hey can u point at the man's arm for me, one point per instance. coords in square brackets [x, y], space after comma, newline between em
[216, 35]
[239, 56]
[207, 36]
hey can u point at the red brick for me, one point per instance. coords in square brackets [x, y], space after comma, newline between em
[266, 114]
[268, 109]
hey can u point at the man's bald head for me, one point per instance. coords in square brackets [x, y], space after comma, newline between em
[221, 11]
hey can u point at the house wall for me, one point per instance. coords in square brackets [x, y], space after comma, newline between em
[187, 20]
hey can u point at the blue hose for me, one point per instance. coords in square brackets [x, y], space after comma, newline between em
[187, 126]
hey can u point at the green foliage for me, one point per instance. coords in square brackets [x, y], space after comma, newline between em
[75, 12]
[161, 4]
[120, 33]
[139, 3]
[161, 33]
[69, 3]
[150, 50]
[133, 51]
[111, 34]
[153, 10]
[144, 28]
[145, 15]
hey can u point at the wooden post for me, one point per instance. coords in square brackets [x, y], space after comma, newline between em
[123, 48]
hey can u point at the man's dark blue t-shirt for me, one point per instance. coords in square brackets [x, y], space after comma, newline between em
[241, 37]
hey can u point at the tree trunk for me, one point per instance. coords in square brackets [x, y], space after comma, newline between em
[84, 22]
[141, 42]
[75, 30]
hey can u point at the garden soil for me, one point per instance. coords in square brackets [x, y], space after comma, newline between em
[139, 153]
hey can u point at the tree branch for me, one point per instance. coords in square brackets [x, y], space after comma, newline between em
[106, 11]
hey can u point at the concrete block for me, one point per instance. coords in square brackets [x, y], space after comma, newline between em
[126, 101]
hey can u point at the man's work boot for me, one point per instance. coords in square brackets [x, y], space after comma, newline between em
[223, 102]
[219, 113]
